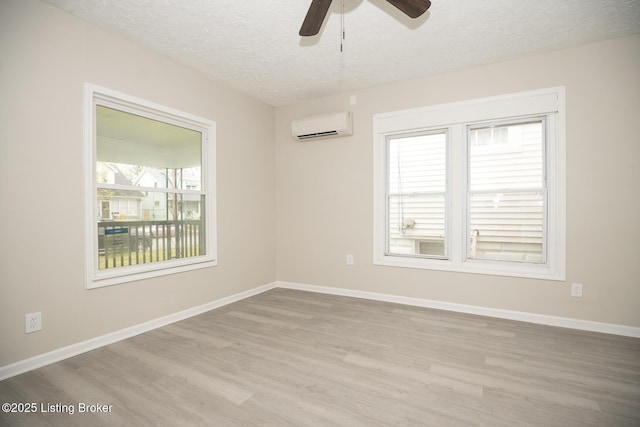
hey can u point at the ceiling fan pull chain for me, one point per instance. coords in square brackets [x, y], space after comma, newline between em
[342, 25]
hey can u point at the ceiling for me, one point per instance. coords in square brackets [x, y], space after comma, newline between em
[254, 46]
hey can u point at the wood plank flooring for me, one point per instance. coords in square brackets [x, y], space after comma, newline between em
[293, 358]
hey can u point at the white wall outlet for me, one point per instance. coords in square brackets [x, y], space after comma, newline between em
[349, 259]
[576, 289]
[33, 322]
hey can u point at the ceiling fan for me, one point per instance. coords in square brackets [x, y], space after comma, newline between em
[319, 8]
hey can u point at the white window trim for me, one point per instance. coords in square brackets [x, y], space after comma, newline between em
[96, 278]
[549, 102]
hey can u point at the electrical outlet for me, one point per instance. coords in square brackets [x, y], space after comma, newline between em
[349, 259]
[576, 289]
[33, 322]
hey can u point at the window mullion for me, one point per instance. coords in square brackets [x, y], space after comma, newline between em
[457, 194]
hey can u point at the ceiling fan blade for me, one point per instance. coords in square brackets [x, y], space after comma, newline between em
[411, 8]
[315, 16]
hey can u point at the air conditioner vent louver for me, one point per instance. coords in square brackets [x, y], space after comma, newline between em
[326, 126]
[318, 135]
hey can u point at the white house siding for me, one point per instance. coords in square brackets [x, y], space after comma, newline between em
[417, 185]
[506, 198]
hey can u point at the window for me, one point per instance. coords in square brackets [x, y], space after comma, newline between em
[475, 186]
[507, 192]
[150, 184]
[416, 194]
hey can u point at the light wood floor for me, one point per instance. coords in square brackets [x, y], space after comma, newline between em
[293, 358]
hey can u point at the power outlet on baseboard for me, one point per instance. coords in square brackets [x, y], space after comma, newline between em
[32, 322]
[576, 289]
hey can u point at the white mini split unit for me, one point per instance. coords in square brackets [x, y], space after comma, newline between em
[325, 126]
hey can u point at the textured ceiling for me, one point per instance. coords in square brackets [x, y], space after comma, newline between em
[254, 45]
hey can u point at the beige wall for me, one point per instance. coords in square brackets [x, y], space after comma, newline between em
[324, 188]
[45, 57]
[309, 203]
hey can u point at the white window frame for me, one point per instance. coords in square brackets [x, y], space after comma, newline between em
[95, 278]
[455, 117]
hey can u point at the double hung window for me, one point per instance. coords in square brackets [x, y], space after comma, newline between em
[417, 182]
[150, 189]
[476, 186]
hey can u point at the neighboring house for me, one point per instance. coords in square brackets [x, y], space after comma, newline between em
[154, 206]
[163, 206]
[506, 201]
[115, 204]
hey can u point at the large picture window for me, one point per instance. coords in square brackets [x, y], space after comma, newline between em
[476, 186]
[150, 189]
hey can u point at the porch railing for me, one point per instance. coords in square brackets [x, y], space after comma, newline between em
[122, 243]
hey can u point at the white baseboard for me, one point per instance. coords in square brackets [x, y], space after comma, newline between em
[57, 355]
[542, 319]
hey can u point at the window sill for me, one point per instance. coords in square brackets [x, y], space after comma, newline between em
[494, 268]
[135, 273]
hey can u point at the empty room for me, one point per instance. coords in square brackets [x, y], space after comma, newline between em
[320, 213]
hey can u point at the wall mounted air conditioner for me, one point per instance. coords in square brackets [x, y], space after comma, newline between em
[325, 126]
